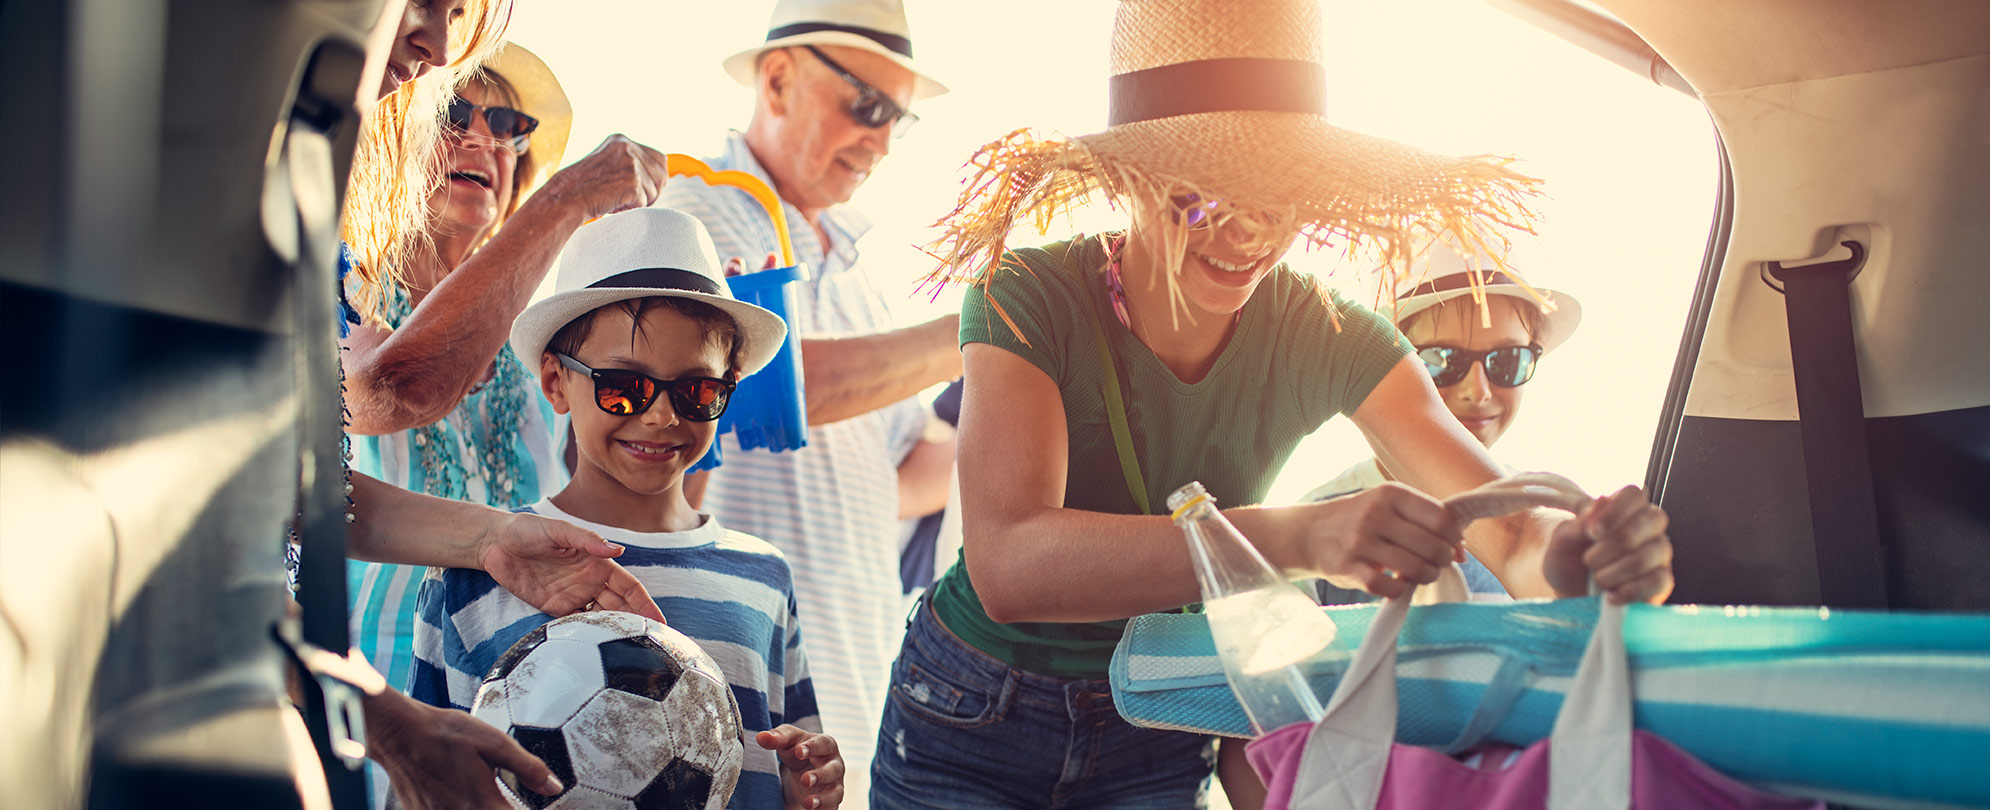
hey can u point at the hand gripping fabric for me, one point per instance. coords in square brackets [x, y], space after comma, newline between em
[1593, 760]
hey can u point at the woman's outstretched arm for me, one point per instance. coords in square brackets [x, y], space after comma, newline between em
[1034, 560]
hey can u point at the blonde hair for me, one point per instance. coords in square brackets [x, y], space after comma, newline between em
[395, 165]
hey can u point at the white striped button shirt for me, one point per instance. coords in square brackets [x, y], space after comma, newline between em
[831, 507]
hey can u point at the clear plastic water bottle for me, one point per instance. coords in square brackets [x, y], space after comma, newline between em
[1262, 624]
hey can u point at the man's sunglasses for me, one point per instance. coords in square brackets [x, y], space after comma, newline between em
[872, 108]
[627, 393]
[1506, 367]
[508, 126]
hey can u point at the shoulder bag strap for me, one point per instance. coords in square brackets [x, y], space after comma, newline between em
[1122, 436]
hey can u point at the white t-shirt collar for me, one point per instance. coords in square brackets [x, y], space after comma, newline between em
[708, 532]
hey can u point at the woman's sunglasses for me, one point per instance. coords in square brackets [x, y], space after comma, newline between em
[1194, 210]
[1506, 367]
[627, 393]
[872, 108]
[508, 126]
[1199, 212]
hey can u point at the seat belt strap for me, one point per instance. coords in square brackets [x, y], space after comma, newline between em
[1844, 516]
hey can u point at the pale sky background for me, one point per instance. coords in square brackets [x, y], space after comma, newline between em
[1631, 168]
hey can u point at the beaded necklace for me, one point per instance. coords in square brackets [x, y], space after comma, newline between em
[1114, 245]
[488, 421]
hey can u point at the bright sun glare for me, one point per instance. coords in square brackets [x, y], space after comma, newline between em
[1631, 168]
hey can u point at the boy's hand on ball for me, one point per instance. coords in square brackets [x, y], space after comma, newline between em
[811, 766]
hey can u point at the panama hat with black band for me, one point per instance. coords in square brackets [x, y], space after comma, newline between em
[877, 26]
[642, 253]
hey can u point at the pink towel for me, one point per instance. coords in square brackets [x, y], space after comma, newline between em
[1662, 778]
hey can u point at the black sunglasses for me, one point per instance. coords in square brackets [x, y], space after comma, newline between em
[627, 393]
[1506, 367]
[872, 108]
[507, 125]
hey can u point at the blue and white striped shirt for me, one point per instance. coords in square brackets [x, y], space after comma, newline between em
[730, 592]
[831, 507]
[383, 594]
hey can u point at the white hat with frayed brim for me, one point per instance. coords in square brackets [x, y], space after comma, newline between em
[1449, 275]
[877, 26]
[638, 254]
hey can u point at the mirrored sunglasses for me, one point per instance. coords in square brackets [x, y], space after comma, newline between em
[507, 126]
[628, 393]
[871, 108]
[1506, 367]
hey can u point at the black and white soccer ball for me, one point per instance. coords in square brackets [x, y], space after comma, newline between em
[627, 712]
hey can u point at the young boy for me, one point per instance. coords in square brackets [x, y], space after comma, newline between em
[642, 343]
[1477, 365]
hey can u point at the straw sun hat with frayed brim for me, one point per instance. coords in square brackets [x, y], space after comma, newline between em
[637, 254]
[539, 96]
[1449, 276]
[1227, 99]
[877, 26]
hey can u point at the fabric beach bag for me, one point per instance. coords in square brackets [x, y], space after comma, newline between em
[1883, 710]
[1887, 710]
[1593, 760]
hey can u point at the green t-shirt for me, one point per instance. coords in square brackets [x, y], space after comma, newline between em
[1284, 372]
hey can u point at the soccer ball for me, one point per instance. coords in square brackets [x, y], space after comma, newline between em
[627, 712]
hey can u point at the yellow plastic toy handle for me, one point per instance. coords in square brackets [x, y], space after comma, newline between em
[688, 166]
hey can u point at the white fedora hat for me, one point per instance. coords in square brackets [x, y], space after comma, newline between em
[1448, 275]
[640, 253]
[877, 26]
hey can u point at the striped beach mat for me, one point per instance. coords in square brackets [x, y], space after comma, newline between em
[1883, 710]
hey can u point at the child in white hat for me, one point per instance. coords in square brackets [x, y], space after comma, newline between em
[643, 343]
[1480, 335]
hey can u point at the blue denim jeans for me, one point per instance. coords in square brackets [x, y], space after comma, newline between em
[964, 730]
